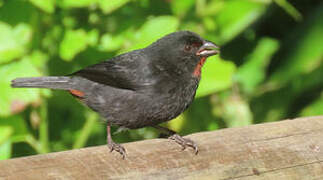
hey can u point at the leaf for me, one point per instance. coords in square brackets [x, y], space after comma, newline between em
[75, 3]
[38, 58]
[304, 50]
[236, 112]
[74, 41]
[314, 109]
[109, 6]
[290, 9]
[15, 99]
[45, 5]
[253, 71]
[13, 41]
[180, 8]
[93, 37]
[18, 127]
[5, 133]
[153, 29]
[109, 42]
[216, 76]
[5, 143]
[5, 150]
[236, 16]
[177, 123]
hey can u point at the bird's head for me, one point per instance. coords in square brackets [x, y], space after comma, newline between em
[183, 52]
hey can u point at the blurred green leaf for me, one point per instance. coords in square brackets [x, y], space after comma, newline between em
[51, 38]
[5, 133]
[153, 29]
[75, 3]
[109, 42]
[216, 76]
[209, 8]
[253, 71]
[15, 99]
[236, 112]
[109, 6]
[235, 16]
[314, 109]
[5, 149]
[5, 143]
[19, 127]
[45, 5]
[74, 41]
[305, 51]
[290, 9]
[177, 123]
[180, 8]
[38, 58]
[13, 41]
[213, 7]
[93, 37]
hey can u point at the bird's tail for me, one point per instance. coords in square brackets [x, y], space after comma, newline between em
[52, 82]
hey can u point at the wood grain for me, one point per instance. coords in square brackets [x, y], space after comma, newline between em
[289, 150]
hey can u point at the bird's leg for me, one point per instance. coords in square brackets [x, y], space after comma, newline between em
[114, 146]
[184, 142]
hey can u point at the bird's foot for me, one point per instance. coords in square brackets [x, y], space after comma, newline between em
[117, 147]
[184, 142]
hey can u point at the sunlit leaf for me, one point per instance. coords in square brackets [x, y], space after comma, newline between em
[314, 109]
[5, 149]
[74, 41]
[38, 58]
[108, 6]
[253, 71]
[46, 5]
[18, 125]
[109, 42]
[305, 51]
[154, 29]
[5, 133]
[14, 99]
[290, 9]
[13, 41]
[216, 76]
[5, 142]
[237, 112]
[235, 16]
[180, 8]
[75, 3]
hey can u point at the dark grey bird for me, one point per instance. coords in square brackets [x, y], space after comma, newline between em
[140, 88]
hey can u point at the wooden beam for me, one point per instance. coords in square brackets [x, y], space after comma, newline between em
[289, 149]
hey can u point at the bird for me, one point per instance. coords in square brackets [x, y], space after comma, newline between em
[141, 88]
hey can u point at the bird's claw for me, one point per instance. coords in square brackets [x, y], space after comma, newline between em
[184, 142]
[117, 147]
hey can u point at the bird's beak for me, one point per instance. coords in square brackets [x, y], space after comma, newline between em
[208, 49]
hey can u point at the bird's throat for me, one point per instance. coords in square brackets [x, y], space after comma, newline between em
[197, 70]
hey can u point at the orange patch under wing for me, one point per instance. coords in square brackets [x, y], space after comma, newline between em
[76, 93]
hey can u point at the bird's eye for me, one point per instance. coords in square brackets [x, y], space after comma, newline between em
[187, 48]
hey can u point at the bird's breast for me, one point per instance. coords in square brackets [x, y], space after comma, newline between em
[172, 103]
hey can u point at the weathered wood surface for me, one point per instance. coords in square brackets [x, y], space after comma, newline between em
[290, 149]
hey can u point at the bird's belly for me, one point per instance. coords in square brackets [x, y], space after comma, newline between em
[136, 110]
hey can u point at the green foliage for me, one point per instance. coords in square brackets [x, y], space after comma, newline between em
[13, 40]
[252, 72]
[217, 75]
[270, 66]
[11, 99]
[72, 43]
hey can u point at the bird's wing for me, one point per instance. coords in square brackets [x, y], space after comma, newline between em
[128, 71]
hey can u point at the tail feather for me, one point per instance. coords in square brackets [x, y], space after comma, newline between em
[52, 82]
